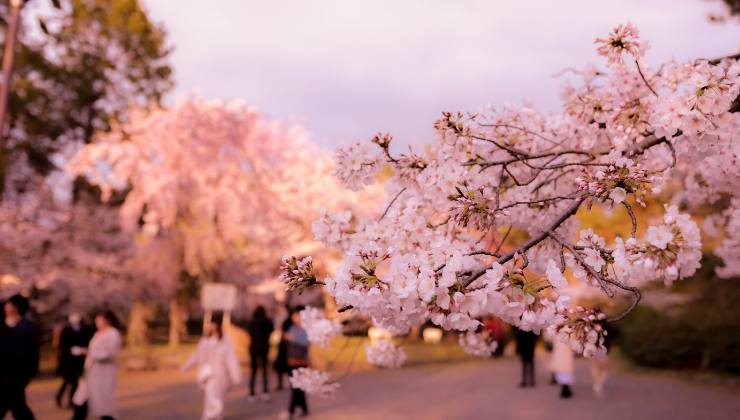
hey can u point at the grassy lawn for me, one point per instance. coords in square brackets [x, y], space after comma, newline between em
[347, 354]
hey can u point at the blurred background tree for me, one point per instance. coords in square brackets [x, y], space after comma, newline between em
[79, 65]
[697, 328]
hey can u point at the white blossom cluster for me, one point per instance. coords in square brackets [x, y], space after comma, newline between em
[320, 330]
[385, 354]
[477, 344]
[582, 331]
[357, 165]
[670, 251]
[313, 382]
[620, 177]
[332, 228]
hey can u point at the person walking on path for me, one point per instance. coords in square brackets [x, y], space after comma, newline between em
[525, 344]
[19, 358]
[260, 328]
[281, 360]
[218, 370]
[96, 394]
[297, 358]
[73, 341]
[562, 365]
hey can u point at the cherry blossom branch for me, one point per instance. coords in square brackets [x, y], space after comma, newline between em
[602, 279]
[571, 196]
[391, 203]
[570, 211]
[633, 304]
[526, 130]
[639, 70]
[633, 219]
[536, 159]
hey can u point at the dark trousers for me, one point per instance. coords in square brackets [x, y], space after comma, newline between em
[527, 371]
[13, 399]
[297, 399]
[71, 381]
[80, 413]
[259, 359]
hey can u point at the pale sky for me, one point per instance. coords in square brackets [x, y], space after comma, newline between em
[350, 68]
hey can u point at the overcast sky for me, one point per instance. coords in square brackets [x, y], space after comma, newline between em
[350, 68]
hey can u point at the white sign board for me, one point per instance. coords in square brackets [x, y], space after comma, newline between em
[218, 297]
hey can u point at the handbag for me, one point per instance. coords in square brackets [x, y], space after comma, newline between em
[297, 355]
[81, 394]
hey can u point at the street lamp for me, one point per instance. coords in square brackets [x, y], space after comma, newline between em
[10, 39]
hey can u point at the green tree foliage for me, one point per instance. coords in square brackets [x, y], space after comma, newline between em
[79, 65]
[700, 333]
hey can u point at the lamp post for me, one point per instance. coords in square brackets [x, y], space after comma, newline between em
[10, 38]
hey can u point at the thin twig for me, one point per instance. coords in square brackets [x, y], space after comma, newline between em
[351, 362]
[639, 70]
[391, 203]
[500, 244]
[632, 217]
[603, 279]
[633, 305]
[339, 352]
[599, 278]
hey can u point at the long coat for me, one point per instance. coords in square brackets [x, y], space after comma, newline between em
[217, 355]
[71, 366]
[101, 373]
[562, 363]
[19, 353]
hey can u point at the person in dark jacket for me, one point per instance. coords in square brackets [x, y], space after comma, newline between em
[73, 342]
[281, 361]
[19, 358]
[525, 343]
[259, 329]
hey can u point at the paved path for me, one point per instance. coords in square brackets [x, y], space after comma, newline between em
[484, 389]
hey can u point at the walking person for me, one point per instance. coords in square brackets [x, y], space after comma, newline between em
[297, 352]
[562, 365]
[19, 358]
[73, 341]
[260, 328]
[281, 360]
[96, 395]
[218, 369]
[525, 344]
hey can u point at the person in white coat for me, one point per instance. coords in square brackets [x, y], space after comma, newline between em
[562, 365]
[218, 370]
[96, 396]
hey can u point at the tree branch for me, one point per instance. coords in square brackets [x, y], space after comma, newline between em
[391, 203]
[570, 211]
